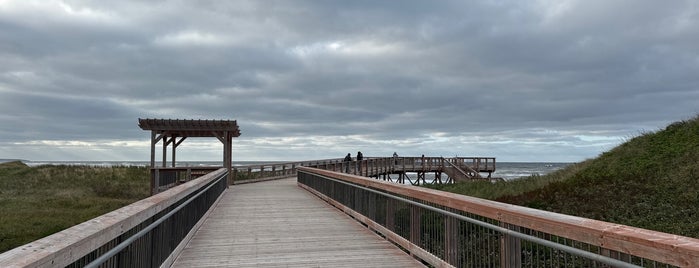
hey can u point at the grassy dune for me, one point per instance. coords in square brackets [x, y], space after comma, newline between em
[650, 181]
[39, 201]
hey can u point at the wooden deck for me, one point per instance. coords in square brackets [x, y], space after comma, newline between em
[278, 224]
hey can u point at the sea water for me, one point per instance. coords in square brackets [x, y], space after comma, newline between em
[505, 170]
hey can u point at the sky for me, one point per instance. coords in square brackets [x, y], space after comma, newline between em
[536, 81]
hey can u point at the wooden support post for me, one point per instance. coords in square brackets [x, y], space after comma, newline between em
[415, 225]
[451, 241]
[390, 214]
[152, 163]
[510, 249]
[175, 144]
[228, 155]
[165, 151]
[156, 181]
[152, 149]
[174, 148]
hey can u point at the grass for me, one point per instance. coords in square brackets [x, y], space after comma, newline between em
[39, 201]
[498, 189]
[650, 181]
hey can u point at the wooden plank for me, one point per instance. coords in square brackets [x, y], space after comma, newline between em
[278, 224]
[389, 234]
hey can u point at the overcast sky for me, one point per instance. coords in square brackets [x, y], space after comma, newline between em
[518, 80]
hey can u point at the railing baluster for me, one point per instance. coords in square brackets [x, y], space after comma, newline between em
[445, 227]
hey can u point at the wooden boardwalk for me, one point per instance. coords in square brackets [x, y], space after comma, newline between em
[278, 224]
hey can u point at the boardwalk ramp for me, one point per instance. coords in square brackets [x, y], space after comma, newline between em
[460, 173]
[278, 224]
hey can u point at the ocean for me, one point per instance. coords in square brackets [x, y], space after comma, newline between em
[505, 170]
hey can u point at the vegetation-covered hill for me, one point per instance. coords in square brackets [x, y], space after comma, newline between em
[651, 181]
[39, 201]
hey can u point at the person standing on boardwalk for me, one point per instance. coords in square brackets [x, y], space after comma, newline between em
[347, 161]
[395, 158]
[360, 157]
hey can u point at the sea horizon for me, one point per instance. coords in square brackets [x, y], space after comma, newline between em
[506, 170]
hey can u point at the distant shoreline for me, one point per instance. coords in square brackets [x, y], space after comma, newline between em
[506, 170]
[12, 160]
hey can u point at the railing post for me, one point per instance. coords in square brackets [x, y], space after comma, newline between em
[390, 214]
[510, 249]
[157, 181]
[415, 225]
[451, 240]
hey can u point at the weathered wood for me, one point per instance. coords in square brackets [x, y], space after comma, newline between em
[152, 148]
[451, 240]
[667, 248]
[389, 234]
[278, 224]
[67, 246]
[169, 130]
[165, 143]
[510, 249]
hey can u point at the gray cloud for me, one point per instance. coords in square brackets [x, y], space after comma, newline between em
[522, 81]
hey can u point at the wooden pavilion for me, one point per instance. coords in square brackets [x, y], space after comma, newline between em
[174, 132]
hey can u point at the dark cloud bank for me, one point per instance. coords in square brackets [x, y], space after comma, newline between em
[521, 81]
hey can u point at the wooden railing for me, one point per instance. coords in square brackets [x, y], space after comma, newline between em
[164, 178]
[446, 229]
[369, 167]
[143, 234]
[271, 171]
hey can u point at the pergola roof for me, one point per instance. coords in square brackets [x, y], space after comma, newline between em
[189, 127]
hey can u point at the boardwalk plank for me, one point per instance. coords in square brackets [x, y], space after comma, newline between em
[278, 224]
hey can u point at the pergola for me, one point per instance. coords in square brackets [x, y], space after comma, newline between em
[176, 131]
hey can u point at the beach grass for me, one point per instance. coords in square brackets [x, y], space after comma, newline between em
[498, 189]
[38, 201]
[650, 181]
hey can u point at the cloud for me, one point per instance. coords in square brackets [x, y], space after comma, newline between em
[192, 38]
[521, 81]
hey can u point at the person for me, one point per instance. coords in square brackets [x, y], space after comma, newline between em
[347, 161]
[395, 158]
[360, 157]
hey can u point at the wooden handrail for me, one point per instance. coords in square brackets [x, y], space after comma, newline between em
[667, 248]
[67, 246]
